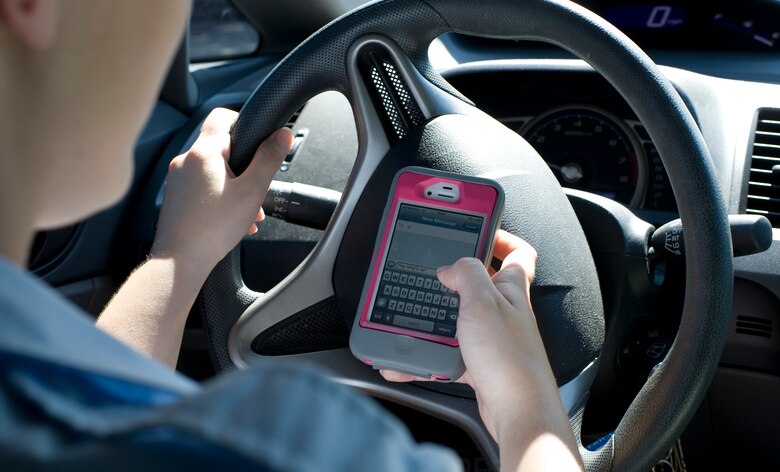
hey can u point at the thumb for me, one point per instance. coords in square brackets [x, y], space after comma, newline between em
[470, 279]
[267, 159]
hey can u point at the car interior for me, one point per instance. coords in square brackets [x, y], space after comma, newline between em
[655, 208]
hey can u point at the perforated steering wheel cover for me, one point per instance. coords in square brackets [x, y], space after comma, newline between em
[673, 392]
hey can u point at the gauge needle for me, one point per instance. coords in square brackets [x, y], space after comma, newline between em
[570, 172]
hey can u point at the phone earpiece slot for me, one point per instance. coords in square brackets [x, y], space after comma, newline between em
[442, 192]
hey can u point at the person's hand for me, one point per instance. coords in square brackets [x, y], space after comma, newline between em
[505, 359]
[207, 210]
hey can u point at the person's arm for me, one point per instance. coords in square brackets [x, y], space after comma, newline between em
[506, 363]
[205, 214]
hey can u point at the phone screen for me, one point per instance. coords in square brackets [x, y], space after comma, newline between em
[410, 295]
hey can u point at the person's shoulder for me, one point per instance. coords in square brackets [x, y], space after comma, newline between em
[28, 306]
[300, 418]
[39, 323]
[22, 292]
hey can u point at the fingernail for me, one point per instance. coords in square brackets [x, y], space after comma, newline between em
[443, 268]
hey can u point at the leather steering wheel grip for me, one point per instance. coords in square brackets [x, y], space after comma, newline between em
[673, 392]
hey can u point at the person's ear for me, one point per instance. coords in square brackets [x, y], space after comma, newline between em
[32, 21]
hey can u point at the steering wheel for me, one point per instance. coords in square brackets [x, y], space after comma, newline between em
[406, 114]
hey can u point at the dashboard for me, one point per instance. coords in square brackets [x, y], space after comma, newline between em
[582, 128]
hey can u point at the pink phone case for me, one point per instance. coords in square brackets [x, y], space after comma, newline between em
[374, 342]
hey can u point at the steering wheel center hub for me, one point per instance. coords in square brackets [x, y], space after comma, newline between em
[565, 289]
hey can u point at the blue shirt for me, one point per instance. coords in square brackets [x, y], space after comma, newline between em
[74, 398]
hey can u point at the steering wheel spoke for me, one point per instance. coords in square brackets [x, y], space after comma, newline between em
[390, 98]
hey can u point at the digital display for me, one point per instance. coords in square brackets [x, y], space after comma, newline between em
[747, 25]
[639, 17]
[410, 295]
[713, 25]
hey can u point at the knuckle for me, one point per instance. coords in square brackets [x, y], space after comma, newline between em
[530, 269]
[218, 120]
[528, 251]
[468, 271]
[270, 152]
[196, 156]
[523, 260]
[468, 264]
[515, 275]
[532, 254]
[176, 163]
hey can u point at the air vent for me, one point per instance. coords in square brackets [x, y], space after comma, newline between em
[291, 122]
[300, 136]
[754, 326]
[764, 183]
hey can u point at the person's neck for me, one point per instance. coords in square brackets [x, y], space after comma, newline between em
[19, 199]
[21, 175]
[17, 233]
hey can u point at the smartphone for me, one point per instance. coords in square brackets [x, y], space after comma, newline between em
[407, 318]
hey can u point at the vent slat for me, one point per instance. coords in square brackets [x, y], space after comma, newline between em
[753, 326]
[769, 205]
[767, 213]
[761, 200]
[753, 319]
[753, 332]
[766, 159]
[767, 137]
[770, 126]
[767, 147]
[763, 187]
[765, 156]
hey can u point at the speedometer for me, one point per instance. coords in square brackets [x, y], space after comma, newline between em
[590, 149]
